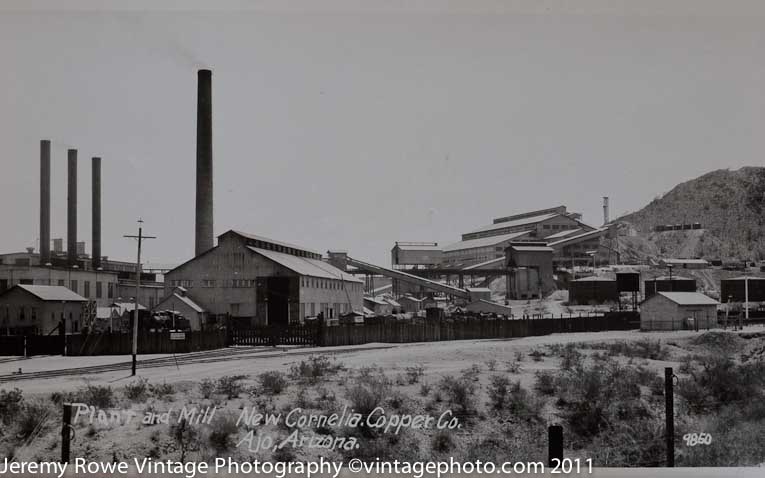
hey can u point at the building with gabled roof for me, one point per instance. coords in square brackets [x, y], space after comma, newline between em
[255, 280]
[38, 309]
[180, 304]
[678, 311]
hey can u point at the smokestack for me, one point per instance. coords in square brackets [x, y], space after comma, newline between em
[71, 208]
[605, 210]
[96, 219]
[204, 210]
[44, 201]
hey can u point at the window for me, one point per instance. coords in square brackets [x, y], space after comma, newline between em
[61, 283]
[313, 309]
[73, 286]
[110, 290]
[87, 289]
[99, 290]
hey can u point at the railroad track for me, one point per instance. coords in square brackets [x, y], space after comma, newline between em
[222, 355]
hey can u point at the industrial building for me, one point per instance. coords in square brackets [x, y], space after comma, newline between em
[571, 239]
[531, 269]
[593, 290]
[668, 284]
[415, 254]
[678, 311]
[38, 309]
[256, 280]
[684, 263]
[735, 289]
[178, 303]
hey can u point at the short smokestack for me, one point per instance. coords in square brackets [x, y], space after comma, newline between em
[605, 210]
[71, 208]
[204, 203]
[44, 201]
[96, 219]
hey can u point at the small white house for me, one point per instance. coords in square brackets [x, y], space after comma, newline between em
[678, 311]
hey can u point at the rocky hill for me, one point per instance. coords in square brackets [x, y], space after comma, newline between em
[729, 205]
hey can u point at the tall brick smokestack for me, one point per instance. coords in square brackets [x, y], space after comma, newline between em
[71, 208]
[204, 204]
[96, 219]
[44, 201]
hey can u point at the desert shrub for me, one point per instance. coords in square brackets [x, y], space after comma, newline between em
[460, 393]
[570, 357]
[513, 367]
[161, 390]
[10, 404]
[442, 441]
[220, 434]
[425, 389]
[31, 419]
[273, 382]
[185, 437]
[285, 454]
[638, 443]
[721, 381]
[472, 373]
[316, 367]
[498, 388]
[725, 343]
[206, 387]
[519, 356]
[414, 373]
[644, 348]
[545, 383]
[491, 365]
[99, 396]
[230, 385]
[136, 390]
[537, 355]
[366, 394]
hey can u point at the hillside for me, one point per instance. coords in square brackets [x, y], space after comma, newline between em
[728, 204]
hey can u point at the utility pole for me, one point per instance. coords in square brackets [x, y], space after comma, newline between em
[140, 238]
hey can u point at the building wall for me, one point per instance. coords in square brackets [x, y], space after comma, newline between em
[149, 294]
[22, 313]
[196, 319]
[416, 256]
[583, 292]
[82, 282]
[320, 295]
[660, 313]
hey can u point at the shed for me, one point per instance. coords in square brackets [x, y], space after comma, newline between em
[410, 304]
[180, 302]
[30, 309]
[678, 311]
[479, 293]
[592, 290]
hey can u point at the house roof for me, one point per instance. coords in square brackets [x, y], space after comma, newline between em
[305, 266]
[483, 242]
[123, 306]
[688, 298]
[54, 293]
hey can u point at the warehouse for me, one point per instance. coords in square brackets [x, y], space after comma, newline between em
[38, 309]
[678, 311]
[257, 280]
[180, 304]
[474, 251]
[415, 254]
[539, 224]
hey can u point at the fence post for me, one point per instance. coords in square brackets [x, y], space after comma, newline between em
[554, 444]
[66, 433]
[670, 416]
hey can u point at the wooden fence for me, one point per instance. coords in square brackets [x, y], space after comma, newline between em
[392, 330]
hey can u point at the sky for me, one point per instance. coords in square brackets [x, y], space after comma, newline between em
[345, 124]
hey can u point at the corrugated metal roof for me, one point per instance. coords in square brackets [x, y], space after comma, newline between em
[515, 223]
[746, 277]
[52, 293]
[279, 243]
[688, 298]
[560, 234]
[483, 242]
[684, 261]
[532, 248]
[595, 279]
[578, 237]
[415, 247]
[305, 266]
